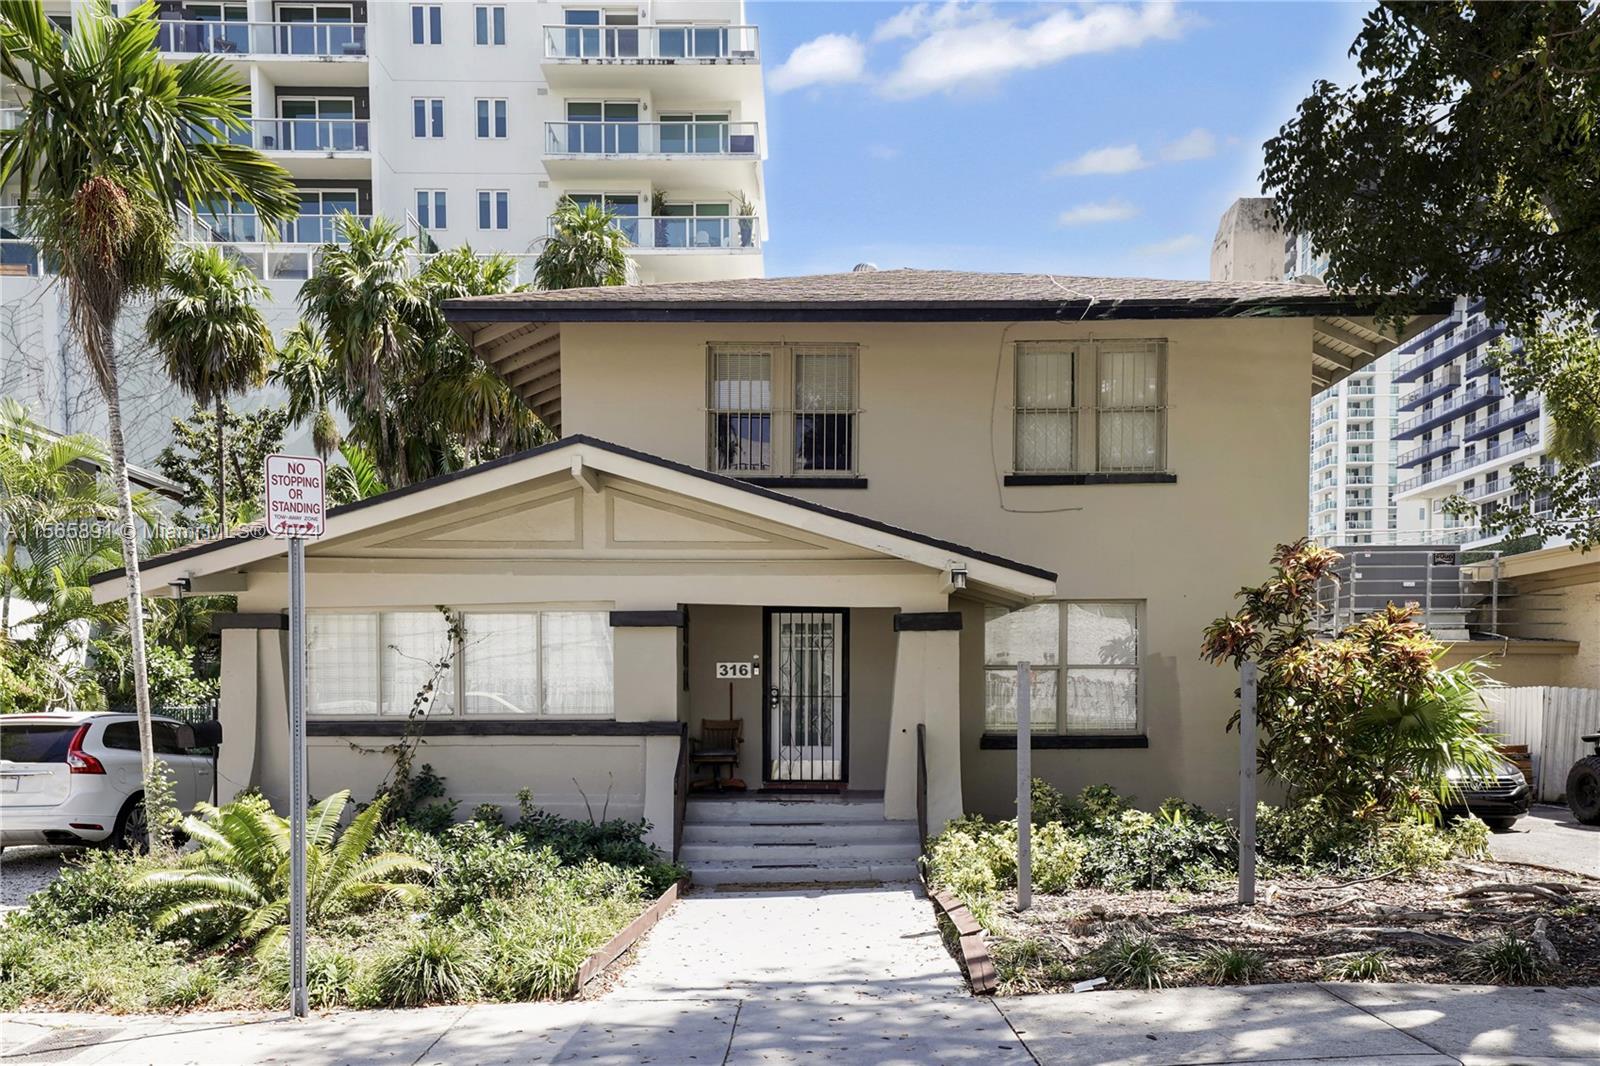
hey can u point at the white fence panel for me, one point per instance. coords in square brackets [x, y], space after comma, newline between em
[1551, 722]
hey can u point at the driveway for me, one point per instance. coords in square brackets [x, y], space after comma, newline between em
[25, 870]
[855, 977]
[1550, 836]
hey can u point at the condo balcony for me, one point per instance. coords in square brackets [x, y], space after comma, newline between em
[1518, 413]
[699, 59]
[683, 233]
[1414, 368]
[1430, 390]
[289, 51]
[1429, 449]
[320, 147]
[1456, 468]
[723, 153]
[1480, 394]
[1480, 363]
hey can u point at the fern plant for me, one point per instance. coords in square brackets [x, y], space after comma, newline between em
[239, 876]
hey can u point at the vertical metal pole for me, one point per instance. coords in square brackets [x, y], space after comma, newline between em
[1427, 589]
[1247, 783]
[297, 776]
[1494, 598]
[1024, 786]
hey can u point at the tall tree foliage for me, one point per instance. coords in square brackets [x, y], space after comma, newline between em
[190, 459]
[1464, 162]
[418, 400]
[585, 249]
[207, 325]
[104, 153]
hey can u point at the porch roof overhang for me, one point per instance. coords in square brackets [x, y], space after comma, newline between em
[519, 334]
[589, 461]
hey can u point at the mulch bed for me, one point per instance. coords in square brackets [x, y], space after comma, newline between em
[1298, 925]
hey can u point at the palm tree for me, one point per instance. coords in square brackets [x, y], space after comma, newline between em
[586, 249]
[357, 478]
[207, 325]
[240, 873]
[110, 143]
[304, 370]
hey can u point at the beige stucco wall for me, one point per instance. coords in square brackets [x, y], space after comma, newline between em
[934, 445]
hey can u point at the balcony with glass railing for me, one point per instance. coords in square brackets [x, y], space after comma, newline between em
[1429, 449]
[1458, 467]
[1481, 363]
[1479, 394]
[315, 40]
[1430, 390]
[323, 136]
[709, 140]
[1518, 413]
[1326, 505]
[682, 233]
[1361, 390]
[1414, 368]
[689, 43]
[1360, 434]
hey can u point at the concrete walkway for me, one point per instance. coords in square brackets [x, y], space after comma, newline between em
[1550, 836]
[855, 977]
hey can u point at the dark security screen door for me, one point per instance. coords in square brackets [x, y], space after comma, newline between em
[808, 662]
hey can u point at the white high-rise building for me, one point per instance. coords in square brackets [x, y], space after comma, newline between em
[467, 122]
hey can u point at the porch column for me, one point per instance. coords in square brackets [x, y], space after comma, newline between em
[237, 703]
[645, 647]
[927, 691]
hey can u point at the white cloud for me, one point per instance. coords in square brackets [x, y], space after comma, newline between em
[1169, 247]
[832, 59]
[1196, 144]
[957, 46]
[1090, 214]
[1114, 159]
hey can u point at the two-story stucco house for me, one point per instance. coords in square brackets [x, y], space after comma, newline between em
[881, 490]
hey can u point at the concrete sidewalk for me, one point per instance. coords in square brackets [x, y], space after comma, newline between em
[853, 977]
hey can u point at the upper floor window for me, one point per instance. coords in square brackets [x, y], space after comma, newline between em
[427, 23]
[494, 209]
[1084, 667]
[489, 24]
[431, 209]
[491, 120]
[782, 410]
[1082, 407]
[427, 117]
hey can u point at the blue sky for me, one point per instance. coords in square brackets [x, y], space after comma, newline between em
[1073, 139]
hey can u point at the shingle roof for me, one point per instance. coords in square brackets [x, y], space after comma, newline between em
[946, 293]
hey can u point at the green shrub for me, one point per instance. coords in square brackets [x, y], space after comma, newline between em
[94, 886]
[1058, 858]
[478, 864]
[112, 965]
[538, 942]
[1230, 966]
[1132, 960]
[1179, 847]
[1366, 966]
[1469, 838]
[974, 858]
[1310, 835]
[1411, 847]
[1030, 964]
[1505, 959]
[436, 965]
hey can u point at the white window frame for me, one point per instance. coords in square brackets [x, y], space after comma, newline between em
[1087, 407]
[1064, 665]
[438, 201]
[432, 118]
[783, 460]
[496, 197]
[458, 666]
[427, 24]
[491, 118]
[489, 25]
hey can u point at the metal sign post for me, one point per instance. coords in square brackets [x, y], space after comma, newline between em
[1247, 783]
[295, 507]
[1024, 786]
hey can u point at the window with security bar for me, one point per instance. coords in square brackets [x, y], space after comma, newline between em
[1084, 667]
[1090, 407]
[783, 410]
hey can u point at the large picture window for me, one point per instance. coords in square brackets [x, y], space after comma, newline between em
[1090, 407]
[783, 410]
[555, 663]
[1084, 658]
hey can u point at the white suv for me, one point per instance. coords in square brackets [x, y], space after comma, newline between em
[74, 778]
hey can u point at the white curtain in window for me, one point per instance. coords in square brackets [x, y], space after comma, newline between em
[1001, 700]
[1009, 637]
[501, 662]
[342, 664]
[1129, 406]
[575, 656]
[1102, 634]
[1046, 419]
[1102, 667]
[414, 643]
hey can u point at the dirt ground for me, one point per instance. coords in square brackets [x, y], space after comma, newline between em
[1299, 925]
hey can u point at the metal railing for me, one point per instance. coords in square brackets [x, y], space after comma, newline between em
[624, 44]
[1412, 367]
[1457, 466]
[242, 227]
[309, 134]
[1490, 424]
[1361, 390]
[652, 138]
[187, 37]
[1360, 434]
[1475, 395]
[1440, 446]
[739, 233]
[1428, 390]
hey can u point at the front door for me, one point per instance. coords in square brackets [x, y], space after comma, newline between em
[808, 668]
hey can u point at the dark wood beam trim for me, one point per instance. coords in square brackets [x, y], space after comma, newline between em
[1130, 478]
[927, 622]
[807, 482]
[236, 620]
[647, 619]
[1046, 741]
[500, 727]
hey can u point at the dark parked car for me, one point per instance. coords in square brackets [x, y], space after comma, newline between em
[1499, 799]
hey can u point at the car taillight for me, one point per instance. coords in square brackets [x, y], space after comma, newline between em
[78, 760]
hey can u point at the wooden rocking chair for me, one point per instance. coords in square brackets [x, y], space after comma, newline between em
[717, 746]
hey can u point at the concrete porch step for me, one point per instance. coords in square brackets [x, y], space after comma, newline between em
[712, 874]
[810, 810]
[693, 855]
[802, 833]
